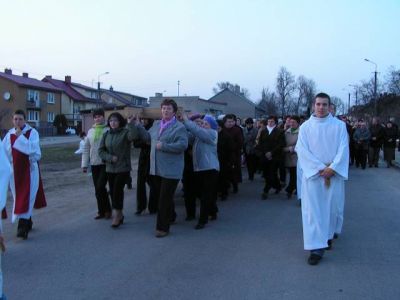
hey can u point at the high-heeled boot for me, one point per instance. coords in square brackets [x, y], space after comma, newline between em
[118, 218]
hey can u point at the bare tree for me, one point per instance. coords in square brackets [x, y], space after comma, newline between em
[285, 87]
[339, 105]
[231, 86]
[306, 91]
[4, 113]
[268, 102]
[392, 81]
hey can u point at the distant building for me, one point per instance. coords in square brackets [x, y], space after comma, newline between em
[72, 100]
[40, 100]
[236, 103]
[115, 98]
[192, 104]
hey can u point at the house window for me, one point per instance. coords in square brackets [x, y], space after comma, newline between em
[33, 96]
[50, 117]
[33, 116]
[93, 95]
[50, 98]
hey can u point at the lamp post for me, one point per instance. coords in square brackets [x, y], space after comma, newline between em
[98, 86]
[375, 84]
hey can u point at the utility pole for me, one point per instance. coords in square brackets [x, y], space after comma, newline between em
[178, 86]
[375, 86]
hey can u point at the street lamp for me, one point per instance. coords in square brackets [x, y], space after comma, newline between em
[375, 84]
[348, 104]
[98, 85]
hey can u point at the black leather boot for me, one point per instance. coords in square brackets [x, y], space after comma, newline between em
[23, 228]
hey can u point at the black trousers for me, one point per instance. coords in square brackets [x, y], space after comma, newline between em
[164, 190]
[116, 182]
[361, 156]
[190, 192]
[208, 183]
[224, 179]
[373, 156]
[271, 175]
[141, 194]
[292, 180]
[99, 177]
[251, 162]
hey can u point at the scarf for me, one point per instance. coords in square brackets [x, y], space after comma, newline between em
[98, 131]
[165, 124]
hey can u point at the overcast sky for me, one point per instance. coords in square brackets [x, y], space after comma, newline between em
[147, 46]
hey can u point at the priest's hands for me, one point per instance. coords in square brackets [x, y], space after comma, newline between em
[18, 131]
[327, 173]
[268, 155]
[158, 145]
[114, 159]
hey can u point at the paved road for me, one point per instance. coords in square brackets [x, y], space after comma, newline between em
[253, 251]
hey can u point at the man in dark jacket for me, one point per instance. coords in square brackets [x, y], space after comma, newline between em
[236, 134]
[376, 142]
[226, 159]
[143, 176]
[272, 141]
[250, 135]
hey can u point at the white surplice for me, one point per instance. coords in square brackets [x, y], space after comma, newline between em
[322, 142]
[31, 148]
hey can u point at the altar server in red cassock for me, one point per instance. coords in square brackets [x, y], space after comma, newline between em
[23, 152]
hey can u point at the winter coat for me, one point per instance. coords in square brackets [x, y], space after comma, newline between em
[90, 151]
[249, 140]
[118, 142]
[168, 162]
[290, 154]
[204, 151]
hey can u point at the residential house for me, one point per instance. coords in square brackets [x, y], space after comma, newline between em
[40, 100]
[192, 104]
[74, 99]
[116, 98]
[236, 103]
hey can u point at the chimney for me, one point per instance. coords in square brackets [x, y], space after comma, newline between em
[237, 89]
[111, 88]
[68, 79]
[8, 71]
[159, 95]
[48, 77]
[25, 75]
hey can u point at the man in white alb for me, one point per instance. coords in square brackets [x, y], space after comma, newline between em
[323, 153]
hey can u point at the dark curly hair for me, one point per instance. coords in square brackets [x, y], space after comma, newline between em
[121, 119]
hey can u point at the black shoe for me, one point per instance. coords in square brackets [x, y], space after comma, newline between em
[330, 242]
[99, 216]
[289, 195]
[199, 226]
[190, 218]
[120, 222]
[264, 196]
[30, 224]
[336, 236]
[278, 190]
[23, 228]
[314, 259]
[376, 166]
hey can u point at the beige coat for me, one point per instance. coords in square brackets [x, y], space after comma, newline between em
[290, 154]
[90, 153]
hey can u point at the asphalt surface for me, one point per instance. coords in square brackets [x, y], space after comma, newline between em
[253, 251]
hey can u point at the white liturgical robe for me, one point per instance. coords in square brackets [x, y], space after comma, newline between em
[30, 147]
[322, 142]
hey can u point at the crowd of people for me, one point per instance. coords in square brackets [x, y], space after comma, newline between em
[308, 158]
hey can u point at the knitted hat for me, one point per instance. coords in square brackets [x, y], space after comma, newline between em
[210, 120]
